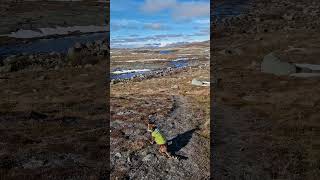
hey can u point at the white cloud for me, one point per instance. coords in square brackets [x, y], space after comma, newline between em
[180, 10]
[157, 5]
[189, 10]
[202, 21]
[124, 24]
[154, 26]
[134, 24]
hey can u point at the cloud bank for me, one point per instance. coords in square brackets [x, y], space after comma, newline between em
[179, 10]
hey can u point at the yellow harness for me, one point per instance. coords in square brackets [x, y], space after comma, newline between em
[158, 137]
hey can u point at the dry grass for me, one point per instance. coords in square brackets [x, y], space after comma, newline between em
[53, 120]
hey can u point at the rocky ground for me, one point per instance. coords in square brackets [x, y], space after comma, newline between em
[53, 106]
[80, 55]
[182, 113]
[54, 124]
[266, 124]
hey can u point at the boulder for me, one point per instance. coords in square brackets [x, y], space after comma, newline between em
[199, 83]
[5, 69]
[273, 65]
[196, 82]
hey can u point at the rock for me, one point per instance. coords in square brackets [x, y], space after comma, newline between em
[250, 98]
[287, 17]
[43, 77]
[37, 116]
[196, 82]
[71, 52]
[88, 66]
[105, 49]
[33, 164]
[31, 56]
[9, 60]
[74, 55]
[273, 65]
[148, 157]
[52, 53]
[254, 65]
[118, 155]
[175, 87]
[283, 82]
[258, 38]
[98, 42]
[5, 69]
[230, 52]
[312, 67]
[78, 45]
[305, 75]
[200, 83]
[144, 153]
[89, 44]
[69, 120]
[129, 160]
[84, 75]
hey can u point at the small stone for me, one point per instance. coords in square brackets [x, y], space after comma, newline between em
[149, 157]
[41, 78]
[88, 66]
[5, 68]
[78, 45]
[230, 52]
[33, 164]
[118, 155]
[9, 60]
[36, 115]
[89, 44]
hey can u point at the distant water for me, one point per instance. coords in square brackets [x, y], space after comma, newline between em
[61, 44]
[127, 74]
[179, 63]
[165, 51]
[42, 32]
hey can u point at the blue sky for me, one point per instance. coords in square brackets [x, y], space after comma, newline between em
[138, 23]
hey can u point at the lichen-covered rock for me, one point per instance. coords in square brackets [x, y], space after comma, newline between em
[273, 65]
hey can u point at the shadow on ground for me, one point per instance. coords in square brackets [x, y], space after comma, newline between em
[180, 141]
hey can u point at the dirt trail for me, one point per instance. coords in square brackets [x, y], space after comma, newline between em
[180, 130]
